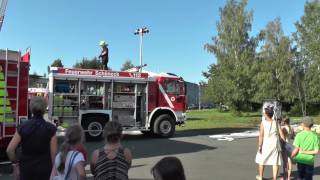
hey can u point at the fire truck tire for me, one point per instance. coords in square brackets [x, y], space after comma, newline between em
[94, 123]
[164, 126]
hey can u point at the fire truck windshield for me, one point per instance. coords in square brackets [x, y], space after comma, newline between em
[174, 87]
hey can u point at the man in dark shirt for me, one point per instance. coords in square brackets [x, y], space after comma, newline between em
[104, 54]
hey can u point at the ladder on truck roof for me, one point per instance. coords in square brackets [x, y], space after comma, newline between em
[9, 91]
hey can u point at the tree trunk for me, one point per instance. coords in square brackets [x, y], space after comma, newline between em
[302, 101]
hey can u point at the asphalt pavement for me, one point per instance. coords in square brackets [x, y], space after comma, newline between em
[203, 158]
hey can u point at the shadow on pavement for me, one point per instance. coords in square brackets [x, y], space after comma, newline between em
[143, 147]
[294, 173]
[195, 118]
[316, 171]
[163, 147]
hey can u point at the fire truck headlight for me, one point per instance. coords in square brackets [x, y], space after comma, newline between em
[184, 116]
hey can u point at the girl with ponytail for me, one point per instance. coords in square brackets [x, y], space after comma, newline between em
[69, 162]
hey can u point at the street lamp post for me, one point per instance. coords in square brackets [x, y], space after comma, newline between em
[199, 96]
[141, 32]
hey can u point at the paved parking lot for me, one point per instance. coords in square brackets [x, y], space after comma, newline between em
[202, 157]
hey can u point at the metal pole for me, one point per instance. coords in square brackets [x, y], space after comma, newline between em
[5, 72]
[18, 90]
[199, 97]
[140, 32]
[141, 41]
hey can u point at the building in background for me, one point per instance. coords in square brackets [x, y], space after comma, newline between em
[195, 99]
[36, 81]
[37, 85]
[192, 95]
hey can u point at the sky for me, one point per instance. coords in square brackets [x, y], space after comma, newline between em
[179, 29]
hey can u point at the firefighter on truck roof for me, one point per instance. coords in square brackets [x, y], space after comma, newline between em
[104, 54]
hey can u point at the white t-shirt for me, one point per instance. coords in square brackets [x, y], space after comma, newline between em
[73, 173]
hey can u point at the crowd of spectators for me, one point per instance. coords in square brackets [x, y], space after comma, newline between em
[275, 147]
[34, 154]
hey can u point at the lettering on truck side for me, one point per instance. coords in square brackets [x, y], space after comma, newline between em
[78, 72]
[135, 75]
[104, 73]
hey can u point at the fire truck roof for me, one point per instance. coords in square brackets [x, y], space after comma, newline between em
[96, 73]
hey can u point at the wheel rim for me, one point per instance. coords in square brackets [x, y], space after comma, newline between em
[165, 127]
[94, 129]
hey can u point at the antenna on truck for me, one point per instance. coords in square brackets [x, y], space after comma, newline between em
[3, 5]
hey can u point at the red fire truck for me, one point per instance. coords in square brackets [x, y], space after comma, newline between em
[14, 73]
[148, 102]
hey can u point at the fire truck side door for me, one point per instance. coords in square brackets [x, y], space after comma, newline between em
[175, 92]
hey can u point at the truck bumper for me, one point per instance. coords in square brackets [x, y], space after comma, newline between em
[181, 117]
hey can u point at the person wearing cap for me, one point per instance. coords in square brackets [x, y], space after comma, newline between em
[113, 160]
[306, 145]
[104, 54]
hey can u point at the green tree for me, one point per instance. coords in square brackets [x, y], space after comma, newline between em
[57, 63]
[127, 65]
[230, 79]
[307, 38]
[86, 63]
[275, 77]
[35, 73]
[300, 82]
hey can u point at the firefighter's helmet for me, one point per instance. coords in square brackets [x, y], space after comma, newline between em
[103, 43]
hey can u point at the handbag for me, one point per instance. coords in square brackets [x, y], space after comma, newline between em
[289, 148]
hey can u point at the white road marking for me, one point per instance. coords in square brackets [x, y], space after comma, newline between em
[233, 136]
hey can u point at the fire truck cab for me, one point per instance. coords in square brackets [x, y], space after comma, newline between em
[144, 101]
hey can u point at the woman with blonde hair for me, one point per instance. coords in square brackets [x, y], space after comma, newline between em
[112, 161]
[69, 162]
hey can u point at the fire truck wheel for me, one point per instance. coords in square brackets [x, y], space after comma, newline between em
[164, 126]
[95, 129]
